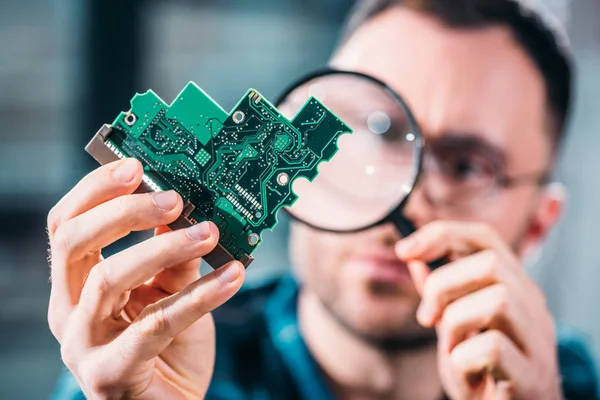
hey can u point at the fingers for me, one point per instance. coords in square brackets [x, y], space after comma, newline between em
[112, 220]
[493, 353]
[77, 242]
[419, 271]
[457, 279]
[103, 184]
[154, 329]
[125, 271]
[489, 308]
[107, 182]
[175, 278]
[454, 239]
[504, 391]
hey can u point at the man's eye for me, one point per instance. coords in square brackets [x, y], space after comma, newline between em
[394, 135]
[465, 169]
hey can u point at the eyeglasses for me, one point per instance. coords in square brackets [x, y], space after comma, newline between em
[461, 173]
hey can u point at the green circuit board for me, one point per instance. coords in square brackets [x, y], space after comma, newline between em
[235, 169]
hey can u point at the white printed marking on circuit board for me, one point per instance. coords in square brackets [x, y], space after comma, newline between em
[248, 196]
[240, 207]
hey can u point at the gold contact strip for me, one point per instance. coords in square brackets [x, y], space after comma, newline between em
[248, 196]
[239, 206]
[145, 177]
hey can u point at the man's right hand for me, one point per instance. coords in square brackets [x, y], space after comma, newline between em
[136, 324]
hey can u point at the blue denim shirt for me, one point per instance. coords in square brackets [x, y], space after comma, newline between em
[262, 356]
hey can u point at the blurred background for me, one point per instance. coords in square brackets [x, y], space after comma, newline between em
[67, 66]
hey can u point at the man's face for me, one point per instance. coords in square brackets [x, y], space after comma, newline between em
[475, 86]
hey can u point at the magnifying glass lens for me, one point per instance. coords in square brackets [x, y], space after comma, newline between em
[376, 165]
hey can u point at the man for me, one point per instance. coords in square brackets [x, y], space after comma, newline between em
[490, 74]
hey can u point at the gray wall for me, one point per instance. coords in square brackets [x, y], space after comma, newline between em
[225, 46]
[570, 268]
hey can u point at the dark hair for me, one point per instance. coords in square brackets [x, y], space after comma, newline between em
[533, 29]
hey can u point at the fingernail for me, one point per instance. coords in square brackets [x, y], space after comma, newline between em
[404, 246]
[126, 171]
[166, 201]
[199, 231]
[229, 273]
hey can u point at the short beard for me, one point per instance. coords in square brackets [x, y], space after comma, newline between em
[387, 343]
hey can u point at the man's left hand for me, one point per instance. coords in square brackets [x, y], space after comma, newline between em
[496, 337]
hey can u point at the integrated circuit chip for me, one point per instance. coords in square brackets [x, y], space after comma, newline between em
[235, 169]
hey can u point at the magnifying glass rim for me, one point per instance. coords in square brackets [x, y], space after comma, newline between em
[415, 130]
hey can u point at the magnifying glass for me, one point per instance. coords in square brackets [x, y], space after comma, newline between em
[370, 179]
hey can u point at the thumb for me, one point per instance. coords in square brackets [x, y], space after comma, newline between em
[419, 271]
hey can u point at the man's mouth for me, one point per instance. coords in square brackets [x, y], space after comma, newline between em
[380, 266]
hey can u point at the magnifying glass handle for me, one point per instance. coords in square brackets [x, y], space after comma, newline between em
[407, 228]
[437, 263]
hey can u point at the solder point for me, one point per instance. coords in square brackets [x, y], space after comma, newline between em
[130, 119]
[253, 239]
[238, 117]
[283, 179]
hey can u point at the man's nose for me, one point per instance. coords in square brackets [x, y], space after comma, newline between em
[418, 210]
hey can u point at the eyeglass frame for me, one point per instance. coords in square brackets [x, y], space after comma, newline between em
[501, 181]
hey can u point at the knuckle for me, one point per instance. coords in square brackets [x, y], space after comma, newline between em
[196, 297]
[439, 228]
[124, 206]
[449, 320]
[99, 280]
[90, 182]
[160, 320]
[169, 245]
[91, 379]
[456, 357]
[68, 356]
[502, 301]
[493, 345]
[95, 386]
[491, 263]
[483, 229]
[154, 320]
[52, 221]
[131, 212]
[62, 240]
[53, 323]
[135, 208]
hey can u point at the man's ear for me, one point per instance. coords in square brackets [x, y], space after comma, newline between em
[551, 203]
